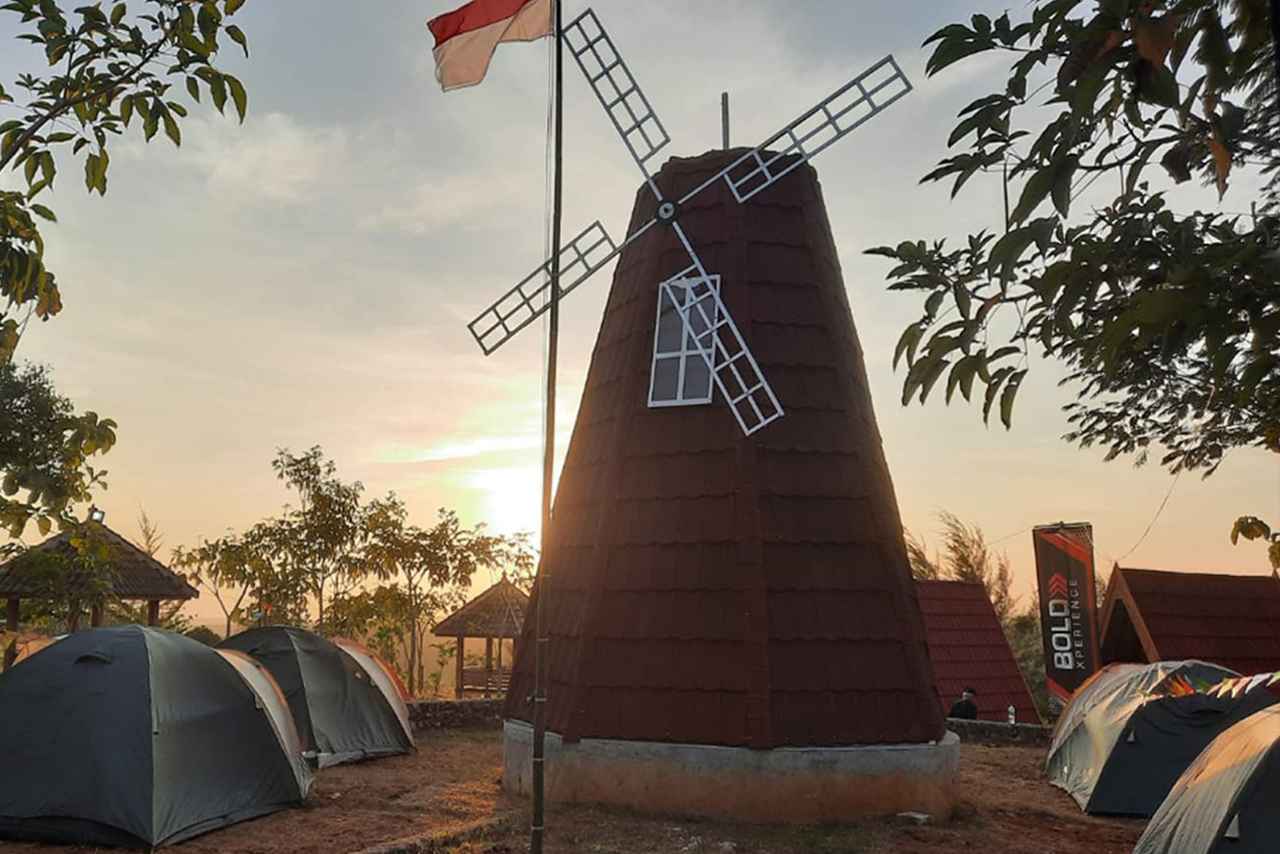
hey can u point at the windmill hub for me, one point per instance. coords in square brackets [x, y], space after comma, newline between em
[667, 212]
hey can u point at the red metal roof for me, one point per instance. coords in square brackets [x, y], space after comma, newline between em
[1156, 615]
[717, 589]
[969, 649]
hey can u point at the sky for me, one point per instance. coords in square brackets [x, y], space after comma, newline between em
[306, 278]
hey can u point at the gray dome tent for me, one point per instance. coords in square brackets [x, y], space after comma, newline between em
[1125, 737]
[1225, 802]
[139, 737]
[342, 712]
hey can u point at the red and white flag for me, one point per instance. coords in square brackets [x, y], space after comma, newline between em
[467, 37]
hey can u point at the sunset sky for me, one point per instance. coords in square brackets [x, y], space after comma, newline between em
[307, 278]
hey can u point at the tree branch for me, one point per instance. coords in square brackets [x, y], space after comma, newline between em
[60, 107]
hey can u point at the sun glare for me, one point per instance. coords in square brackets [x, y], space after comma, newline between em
[511, 497]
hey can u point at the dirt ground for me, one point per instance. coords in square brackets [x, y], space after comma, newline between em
[452, 785]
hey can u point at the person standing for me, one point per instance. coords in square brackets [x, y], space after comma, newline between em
[965, 708]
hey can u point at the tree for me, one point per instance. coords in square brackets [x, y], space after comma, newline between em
[149, 537]
[966, 557]
[1168, 322]
[1027, 644]
[106, 68]
[122, 612]
[238, 572]
[204, 634]
[436, 565]
[45, 448]
[923, 567]
[320, 539]
[1253, 528]
[75, 582]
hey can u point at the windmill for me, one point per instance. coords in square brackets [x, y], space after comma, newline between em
[710, 353]
[693, 292]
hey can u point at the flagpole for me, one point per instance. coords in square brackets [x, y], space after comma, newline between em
[537, 824]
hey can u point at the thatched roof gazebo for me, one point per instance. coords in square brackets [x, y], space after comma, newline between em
[137, 575]
[496, 613]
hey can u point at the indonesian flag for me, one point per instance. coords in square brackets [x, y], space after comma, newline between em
[467, 37]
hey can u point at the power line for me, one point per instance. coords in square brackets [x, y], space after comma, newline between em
[1152, 523]
[1010, 536]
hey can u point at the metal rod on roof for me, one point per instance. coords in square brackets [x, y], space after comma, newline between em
[724, 118]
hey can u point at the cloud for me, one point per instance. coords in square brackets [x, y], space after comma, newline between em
[272, 159]
[490, 198]
[459, 449]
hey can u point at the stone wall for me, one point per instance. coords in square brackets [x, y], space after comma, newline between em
[487, 714]
[994, 733]
[455, 714]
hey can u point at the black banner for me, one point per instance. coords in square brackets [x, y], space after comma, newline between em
[1068, 610]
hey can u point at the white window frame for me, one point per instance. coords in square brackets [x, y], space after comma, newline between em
[685, 353]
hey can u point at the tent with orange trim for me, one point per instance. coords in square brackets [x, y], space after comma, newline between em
[1131, 729]
[1226, 799]
[343, 702]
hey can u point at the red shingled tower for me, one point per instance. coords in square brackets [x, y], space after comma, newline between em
[710, 588]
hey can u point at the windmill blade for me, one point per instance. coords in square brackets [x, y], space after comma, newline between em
[529, 299]
[616, 88]
[708, 323]
[524, 303]
[859, 100]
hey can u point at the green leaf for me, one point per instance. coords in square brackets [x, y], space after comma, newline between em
[1008, 250]
[907, 344]
[218, 89]
[91, 172]
[126, 109]
[955, 47]
[42, 211]
[934, 302]
[1033, 193]
[151, 125]
[963, 299]
[961, 376]
[233, 6]
[1063, 173]
[1007, 396]
[993, 389]
[193, 89]
[171, 129]
[1177, 162]
[117, 14]
[930, 378]
[237, 36]
[1157, 85]
[1251, 528]
[238, 95]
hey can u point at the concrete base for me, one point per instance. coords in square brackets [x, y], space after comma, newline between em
[784, 785]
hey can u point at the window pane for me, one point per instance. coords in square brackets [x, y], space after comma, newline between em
[669, 325]
[666, 378]
[697, 379]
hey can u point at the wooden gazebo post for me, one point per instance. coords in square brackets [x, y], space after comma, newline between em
[488, 666]
[11, 625]
[457, 688]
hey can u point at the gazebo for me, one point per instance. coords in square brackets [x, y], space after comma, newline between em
[496, 613]
[138, 576]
